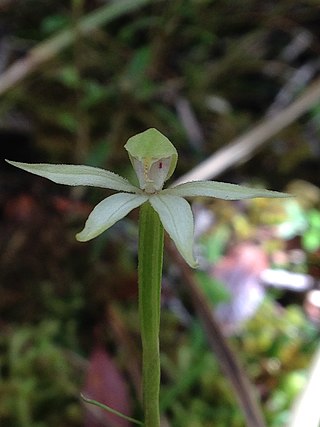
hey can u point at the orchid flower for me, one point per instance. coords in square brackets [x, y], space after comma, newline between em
[154, 159]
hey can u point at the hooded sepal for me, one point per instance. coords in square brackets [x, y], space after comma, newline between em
[153, 158]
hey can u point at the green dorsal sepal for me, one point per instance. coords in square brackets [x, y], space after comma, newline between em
[153, 158]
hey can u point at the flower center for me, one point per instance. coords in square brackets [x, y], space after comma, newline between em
[151, 173]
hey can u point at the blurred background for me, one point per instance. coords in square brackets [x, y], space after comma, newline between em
[78, 79]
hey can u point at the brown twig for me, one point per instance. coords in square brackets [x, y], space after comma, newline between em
[48, 49]
[245, 145]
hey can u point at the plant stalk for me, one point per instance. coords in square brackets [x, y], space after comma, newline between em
[150, 273]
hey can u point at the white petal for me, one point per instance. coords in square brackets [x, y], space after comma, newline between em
[108, 212]
[177, 219]
[220, 190]
[78, 175]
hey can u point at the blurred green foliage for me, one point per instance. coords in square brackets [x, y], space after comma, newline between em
[39, 384]
[275, 346]
[311, 238]
[224, 58]
[41, 381]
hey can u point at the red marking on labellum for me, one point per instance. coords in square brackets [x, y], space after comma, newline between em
[160, 165]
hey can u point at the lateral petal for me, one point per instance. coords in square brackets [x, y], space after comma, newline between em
[78, 175]
[220, 190]
[108, 212]
[177, 219]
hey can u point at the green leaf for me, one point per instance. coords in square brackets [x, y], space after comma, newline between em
[311, 240]
[220, 190]
[314, 218]
[213, 288]
[78, 175]
[108, 212]
[108, 409]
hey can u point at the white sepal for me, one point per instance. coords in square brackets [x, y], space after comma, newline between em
[108, 212]
[220, 190]
[177, 219]
[78, 175]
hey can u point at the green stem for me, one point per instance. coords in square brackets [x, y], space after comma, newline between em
[150, 273]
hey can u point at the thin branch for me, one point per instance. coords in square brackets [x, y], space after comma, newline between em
[245, 145]
[48, 49]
